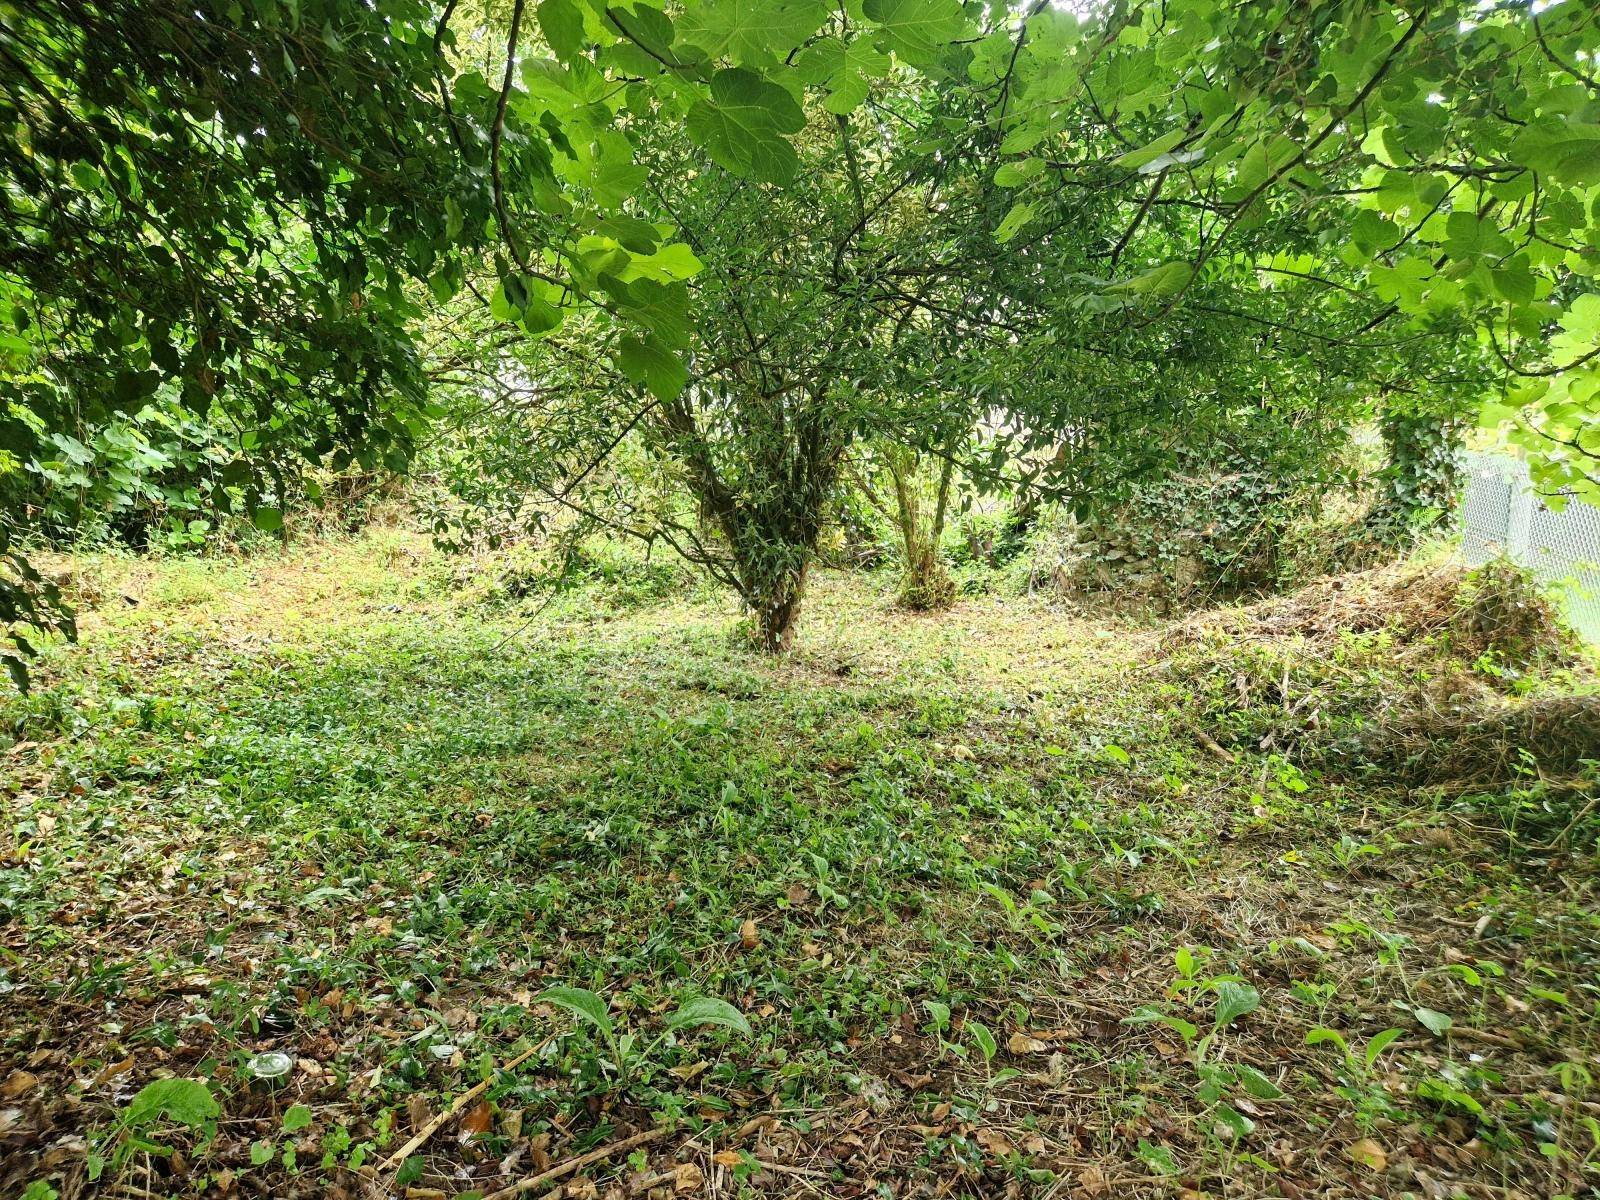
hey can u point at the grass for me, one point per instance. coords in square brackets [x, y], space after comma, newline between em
[1016, 903]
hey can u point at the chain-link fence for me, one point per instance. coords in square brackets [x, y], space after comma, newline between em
[1500, 514]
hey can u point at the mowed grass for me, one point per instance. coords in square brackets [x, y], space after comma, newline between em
[335, 806]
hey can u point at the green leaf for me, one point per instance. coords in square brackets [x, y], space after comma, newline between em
[1445, 1093]
[741, 125]
[1233, 1122]
[919, 31]
[1166, 280]
[1021, 213]
[1150, 152]
[1380, 1043]
[1433, 1020]
[1149, 1014]
[86, 176]
[1257, 1084]
[1013, 174]
[650, 363]
[562, 23]
[1117, 754]
[297, 1118]
[983, 1039]
[1235, 1000]
[187, 1101]
[709, 1010]
[582, 1003]
[750, 31]
[1157, 1157]
[267, 519]
[1563, 149]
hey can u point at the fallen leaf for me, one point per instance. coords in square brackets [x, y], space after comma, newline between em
[1369, 1154]
[995, 1143]
[417, 1111]
[478, 1118]
[687, 1178]
[18, 1083]
[111, 1070]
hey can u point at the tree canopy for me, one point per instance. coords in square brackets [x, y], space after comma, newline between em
[755, 230]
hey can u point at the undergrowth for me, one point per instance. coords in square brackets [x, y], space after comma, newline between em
[1012, 902]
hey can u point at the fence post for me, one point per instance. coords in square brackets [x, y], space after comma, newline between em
[1519, 519]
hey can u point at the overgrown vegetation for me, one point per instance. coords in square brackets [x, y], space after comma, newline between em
[1010, 900]
[1004, 342]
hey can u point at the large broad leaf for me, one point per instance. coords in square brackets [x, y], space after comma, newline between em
[581, 1003]
[649, 362]
[562, 23]
[1436, 1022]
[708, 1010]
[750, 31]
[742, 125]
[666, 265]
[919, 31]
[1234, 1000]
[1380, 1043]
[1166, 280]
[845, 68]
[1257, 1084]
[1563, 149]
[186, 1101]
[1011, 224]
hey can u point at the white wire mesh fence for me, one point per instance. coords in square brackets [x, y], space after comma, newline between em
[1501, 515]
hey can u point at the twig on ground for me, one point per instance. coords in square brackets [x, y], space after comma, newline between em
[460, 1102]
[583, 1160]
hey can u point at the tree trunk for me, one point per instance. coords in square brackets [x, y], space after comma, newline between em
[925, 584]
[777, 614]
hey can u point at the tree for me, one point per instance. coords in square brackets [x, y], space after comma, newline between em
[885, 209]
[785, 226]
[196, 215]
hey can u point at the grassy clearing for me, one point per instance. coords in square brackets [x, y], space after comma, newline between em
[1016, 903]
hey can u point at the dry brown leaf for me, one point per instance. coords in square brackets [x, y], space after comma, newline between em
[18, 1083]
[687, 1178]
[995, 1143]
[539, 1151]
[111, 1070]
[418, 1112]
[478, 1118]
[511, 1124]
[1369, 1154]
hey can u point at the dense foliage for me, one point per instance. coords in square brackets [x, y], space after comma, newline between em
[733, 236]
